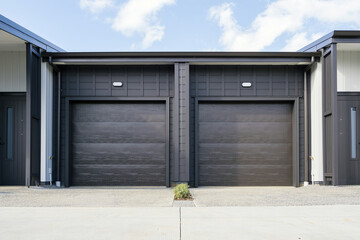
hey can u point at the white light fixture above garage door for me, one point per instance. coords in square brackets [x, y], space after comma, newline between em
[117, 84]
[246, 84]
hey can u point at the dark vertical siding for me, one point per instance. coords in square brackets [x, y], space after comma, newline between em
[33, 111]
[181, 122]
[328, 117]
[267, 81]
[184, 119]
[138, 81]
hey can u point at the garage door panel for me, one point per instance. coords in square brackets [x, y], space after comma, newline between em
[118, 153]
[245, 132]
[96, 175]
[219, 112]
[246, 175]
[128, 132]
[245, 144]
[116, 112]
[120, 144]
[244, 153]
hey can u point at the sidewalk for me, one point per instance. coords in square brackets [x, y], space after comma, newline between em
[295, 222]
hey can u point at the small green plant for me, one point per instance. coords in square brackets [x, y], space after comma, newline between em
[182, 191]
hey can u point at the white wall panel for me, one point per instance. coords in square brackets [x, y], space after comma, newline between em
[46, 122]
[348, 71]
[12, 71]
[316, 123]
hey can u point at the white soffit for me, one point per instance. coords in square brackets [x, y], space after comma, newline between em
[348, 46]
[9, 42]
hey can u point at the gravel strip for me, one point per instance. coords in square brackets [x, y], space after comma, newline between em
[276, 196]
[85, 197]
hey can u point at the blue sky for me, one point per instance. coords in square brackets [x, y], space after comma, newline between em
[183, 25]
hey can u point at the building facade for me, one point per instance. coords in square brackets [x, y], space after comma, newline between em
[159, 118]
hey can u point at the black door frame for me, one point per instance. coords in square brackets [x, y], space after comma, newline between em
[295, 127]
[69, 100]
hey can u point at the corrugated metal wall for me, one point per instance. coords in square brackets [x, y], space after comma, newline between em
[12, 71]
[348, 71]
[46, 121]
[316, 123]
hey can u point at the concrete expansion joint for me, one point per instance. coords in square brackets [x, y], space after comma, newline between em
[180, 221]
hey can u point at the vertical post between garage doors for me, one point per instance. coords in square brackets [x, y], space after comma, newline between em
[295, 128]
[69, 100]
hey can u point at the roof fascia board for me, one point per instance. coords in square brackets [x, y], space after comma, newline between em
[111, 61]
[178, 55]
[346, 40]
[15, 29]
[318, 44]
[332, 37]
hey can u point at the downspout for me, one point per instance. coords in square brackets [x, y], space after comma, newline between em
[306, 124]
[58, 180]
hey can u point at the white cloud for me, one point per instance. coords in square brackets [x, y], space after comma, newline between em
[282, 16]
[96, 6]
[140, 17]
[300, 40]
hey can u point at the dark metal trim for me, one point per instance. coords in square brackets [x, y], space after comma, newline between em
[332, 37]
[15, 29]
[335, 114]
[348, 93]
[12, 93]
[28, 116]
[308, 120]
[58, 176]
[32, 115]
[192, 61]
[296, 143]
[295, 128]
[306, 130]
[176, 124]
[187, 121]
[177, 55]
[324, 114]
[67, 144]
[196, 162]
[248, 99]
[167, 156]
[327, 51]
[347, 40]
[70, 100]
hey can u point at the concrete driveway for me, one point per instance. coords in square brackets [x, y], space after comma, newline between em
[313, 212]
[300, 222]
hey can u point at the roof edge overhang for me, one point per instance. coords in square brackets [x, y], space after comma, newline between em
[337, 36]
[18, 31]
[194, 58]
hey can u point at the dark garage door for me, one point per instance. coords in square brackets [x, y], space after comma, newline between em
[245, 144]
[118, 144]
